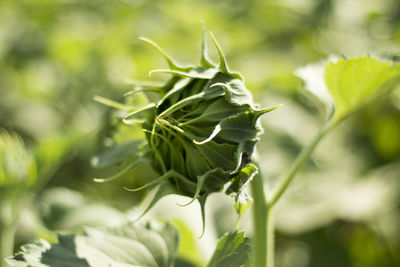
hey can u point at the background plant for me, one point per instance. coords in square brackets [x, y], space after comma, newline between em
[23, 172]
[198, 160]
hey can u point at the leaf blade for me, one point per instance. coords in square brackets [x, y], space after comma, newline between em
[150, 244]
[233, 250]
[355, 82]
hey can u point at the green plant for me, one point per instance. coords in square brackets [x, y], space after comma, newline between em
[23, 172]
[17, 173]
[200, 133]
[194, 144]
[150, 243]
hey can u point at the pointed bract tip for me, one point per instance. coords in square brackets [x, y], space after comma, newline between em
[223, 65]
[266, 110]
[186, 204]
[204, 60]
[202, 202]
[167, 58]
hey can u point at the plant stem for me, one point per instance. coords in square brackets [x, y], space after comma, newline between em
[6, 243]
[298, 163]
[261, 251]
[270, 238]
[7, 232]
[263, 237]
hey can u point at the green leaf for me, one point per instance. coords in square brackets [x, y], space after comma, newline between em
[152, 244]
[242, 202]
[206, 94]
[216, 111]
[346, 85]
[240, 127]
[242, 179]
[237, 188]
[233, 250]
[196, 164]
[63, 209]
[211, 181]
[243, 126]
[219, 155]
[354, 82]
[188, 250]
[178, 86]
[214, 179]
[244, 151]
[235, 92]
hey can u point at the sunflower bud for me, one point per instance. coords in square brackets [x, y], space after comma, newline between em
[202, 131]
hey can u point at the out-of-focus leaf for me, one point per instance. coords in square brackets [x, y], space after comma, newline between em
[349, 84]
[17, 164]
[50, 152]
[368, 199]
[188, 250]
[313, 78]
[55, 203]
[354, 82]
[64, 209]
[233, 250]
[150, 244]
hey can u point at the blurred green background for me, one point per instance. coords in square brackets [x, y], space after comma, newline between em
[343, 210]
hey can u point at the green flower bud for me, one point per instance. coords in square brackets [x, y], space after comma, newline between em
[202, 131]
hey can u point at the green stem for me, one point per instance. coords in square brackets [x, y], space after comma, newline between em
[270, 252]
[263, 237]
[261, 251]
[298, 163]
[7, 232]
